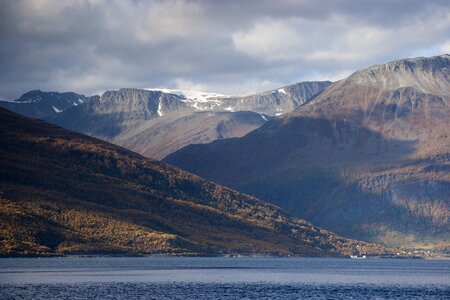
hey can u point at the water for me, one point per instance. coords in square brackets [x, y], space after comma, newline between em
[223, 278]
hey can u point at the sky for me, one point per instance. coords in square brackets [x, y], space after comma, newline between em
[228, 47]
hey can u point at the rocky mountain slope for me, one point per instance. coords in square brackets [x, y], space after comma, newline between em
[44, 105]
[139, 118]
[369, 157]
[276, 102]
[67, 193]
[161, 136]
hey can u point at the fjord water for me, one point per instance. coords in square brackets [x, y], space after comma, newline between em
[222, 278]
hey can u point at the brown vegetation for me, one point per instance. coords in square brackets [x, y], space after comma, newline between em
[66, 193]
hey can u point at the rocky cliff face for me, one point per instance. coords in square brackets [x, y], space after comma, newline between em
[118, 111]
[279, 101]
[368, 157]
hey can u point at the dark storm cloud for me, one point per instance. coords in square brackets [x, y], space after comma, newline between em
[223, 46]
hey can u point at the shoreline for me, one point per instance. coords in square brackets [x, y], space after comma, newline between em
[437, 257]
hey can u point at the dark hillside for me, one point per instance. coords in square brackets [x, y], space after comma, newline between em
[63, 192]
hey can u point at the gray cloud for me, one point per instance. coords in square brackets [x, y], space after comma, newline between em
[223, 46]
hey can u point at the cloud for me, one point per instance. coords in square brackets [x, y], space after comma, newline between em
[337, 39]
[223, 46]
[185, 84]
[445, 47]
[271, 40]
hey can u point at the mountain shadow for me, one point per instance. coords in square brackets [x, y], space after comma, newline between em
[335, 173]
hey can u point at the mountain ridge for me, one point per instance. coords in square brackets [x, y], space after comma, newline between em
[128, 114]
[362, 150]
[44, 105]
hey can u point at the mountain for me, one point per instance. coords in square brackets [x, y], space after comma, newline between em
[155, 123]
[44, 105]
[67, 193]
[368, 158]
[115, 112]
[276, 102]
[139, 119]
[161, 136]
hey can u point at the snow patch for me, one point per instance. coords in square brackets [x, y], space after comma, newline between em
[78, 102]
[278, 114]
[57, 110]
[264, 118]
[229, 108]
[190, 95]
[159, 111]
[198, 100]
[282, 91]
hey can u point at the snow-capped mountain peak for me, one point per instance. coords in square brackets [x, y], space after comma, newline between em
[197, 99]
